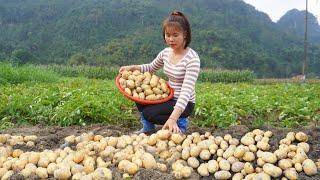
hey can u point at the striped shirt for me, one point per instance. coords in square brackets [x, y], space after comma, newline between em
[182, 76]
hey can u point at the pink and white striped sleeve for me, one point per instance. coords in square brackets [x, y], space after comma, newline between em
[188, 86]
[156, 64]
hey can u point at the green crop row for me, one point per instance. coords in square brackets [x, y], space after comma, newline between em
[84, 101]
[212, 76]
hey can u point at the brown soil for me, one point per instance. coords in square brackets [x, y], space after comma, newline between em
[53, 137]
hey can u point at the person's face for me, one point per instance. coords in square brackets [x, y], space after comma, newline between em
[174, 37]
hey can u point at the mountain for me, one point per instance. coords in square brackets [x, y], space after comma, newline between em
[294, 22]
[226, 34]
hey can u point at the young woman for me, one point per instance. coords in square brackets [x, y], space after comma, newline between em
[181, 64]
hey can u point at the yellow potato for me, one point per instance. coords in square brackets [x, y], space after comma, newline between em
[222, 175]
[154, 81]
[128, 91]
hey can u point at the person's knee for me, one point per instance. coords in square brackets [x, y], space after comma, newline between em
[146, 114]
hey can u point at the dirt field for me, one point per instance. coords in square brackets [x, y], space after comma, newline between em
[53, 137]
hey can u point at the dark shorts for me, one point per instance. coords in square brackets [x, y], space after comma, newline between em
[159, 113]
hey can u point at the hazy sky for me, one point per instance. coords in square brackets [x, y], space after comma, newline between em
[277, 8]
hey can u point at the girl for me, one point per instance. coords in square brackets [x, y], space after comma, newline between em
[182, 65]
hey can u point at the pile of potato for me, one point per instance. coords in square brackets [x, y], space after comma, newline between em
[144, 85]
[91, 156]
[18, 140]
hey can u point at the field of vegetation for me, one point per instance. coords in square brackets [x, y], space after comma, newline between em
[50, 95]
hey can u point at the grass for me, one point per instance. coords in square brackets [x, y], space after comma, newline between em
[81, 101]
[10, 74]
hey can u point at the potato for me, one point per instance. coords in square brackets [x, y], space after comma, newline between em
[7, 175]
[123, 82]
[224, 145]
[293, 147]
[163, 134]
[151, 97]
[237, 176]
[237, 166]
[205, 155]
[258, 138]
[300, 156]
[154, 81]
[232, 159]
[165, 154]
[261, 175]
[285, 164]
[267, 134]
[148, 161]
[257, 132]
[304, 146]
[177, 138]
[164, 87]
[125, 74]
[229, 151]
[30, 138]
[298, 167]
[193, 162]
[3, 171]
[213, 148]
[19, 164]
[269, 157]
[309, 167]
[195, 151]
[43, 162]
[281, 153]
[131, 168]
[136, 72]
[157, 91]
[253, 148]
[222, 175]
[291, 173]
[239, 152]
[246, 140]
[162, 167]
[203, 169]
[16, 153]
[3, 139]
[177, 174]
[234, 141]
[42, 173]
[186, 171]
[185, 154]
[272, 170]
[218, 140]
[248, 156]
[30, 144]
[291, 136]
[224, 165]
[285, 141]
[258, 170]
[102, 173]
[291, 154]
[301, 136]
[25, 173]
[128, 91]
[248, 168]
[263, 146]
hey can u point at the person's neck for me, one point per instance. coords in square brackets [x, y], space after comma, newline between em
[179, 51]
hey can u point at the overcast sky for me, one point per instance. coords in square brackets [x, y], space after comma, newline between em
[277, 8]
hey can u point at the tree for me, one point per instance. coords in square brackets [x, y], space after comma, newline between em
[21, 56]
[78, 59]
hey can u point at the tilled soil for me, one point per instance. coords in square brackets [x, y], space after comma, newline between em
[53, 137]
